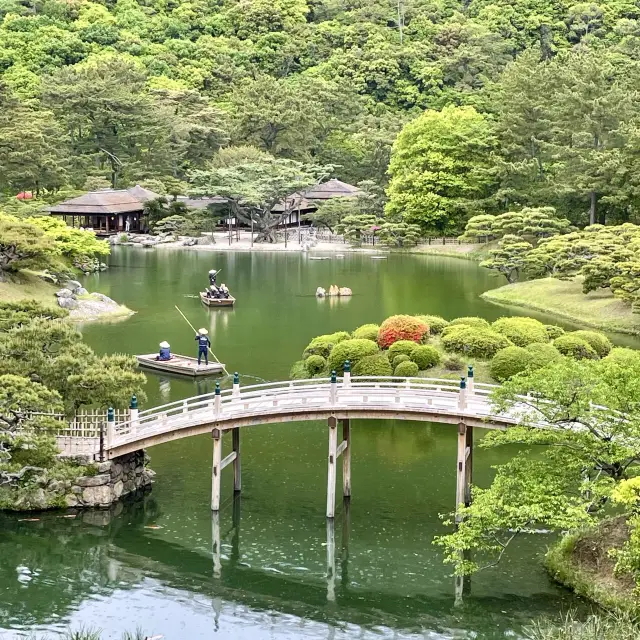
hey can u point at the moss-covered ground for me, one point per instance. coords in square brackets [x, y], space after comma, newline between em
[28, 286]
[564, 299]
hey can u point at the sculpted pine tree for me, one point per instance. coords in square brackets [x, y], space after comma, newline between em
[509, 258]
[22, 245]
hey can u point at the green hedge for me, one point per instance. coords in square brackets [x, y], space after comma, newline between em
[598, 341]
[322, 345]
[574, 347]
[425, 356]
[452, 363]
[353, 350]
[553, 331]
[315, 364]
[403, 357]
[406, 370]
[475, 342]
[509, 361]
[521, 331]
[401, 347]
[375, 365]
[436, 323]
[623, 356]
[471, 321]
[543, 354]
[366, 332]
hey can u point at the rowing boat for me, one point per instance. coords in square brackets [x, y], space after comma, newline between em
[181, 365]
[217, 302]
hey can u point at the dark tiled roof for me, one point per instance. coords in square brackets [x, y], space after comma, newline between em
[106, 202]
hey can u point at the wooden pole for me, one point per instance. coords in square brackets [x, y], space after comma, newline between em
[252, 232]
[331, 472]
[346, 459]
[194, 330]
[237, 479]
[464, 467]
[216, 470]
[331, 561]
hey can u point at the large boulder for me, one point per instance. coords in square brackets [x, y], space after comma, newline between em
[96, 496]
[68, 303]
[345, 291]
[73, 285]
[81, 291]
[64, 293]
[94, 481]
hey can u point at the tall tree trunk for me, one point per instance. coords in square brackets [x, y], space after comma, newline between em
[593, 207]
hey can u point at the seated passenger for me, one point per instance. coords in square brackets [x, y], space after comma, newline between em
[165, 351]
[224, 291]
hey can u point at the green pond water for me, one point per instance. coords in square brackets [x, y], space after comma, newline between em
[149, 563]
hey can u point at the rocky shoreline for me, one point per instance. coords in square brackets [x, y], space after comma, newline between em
[86, 307]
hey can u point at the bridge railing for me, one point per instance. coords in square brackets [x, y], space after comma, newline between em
[311, 393]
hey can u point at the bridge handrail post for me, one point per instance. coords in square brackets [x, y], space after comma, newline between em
[346, 380]
[333, 388]
[236, 385]
[470, 381]
[111, 423]
[218, 399]
[134, 412]
[462, 396]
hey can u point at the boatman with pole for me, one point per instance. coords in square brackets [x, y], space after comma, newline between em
[203, 345]
[212, 277]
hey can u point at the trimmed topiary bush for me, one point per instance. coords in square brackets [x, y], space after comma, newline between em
[507, 362]
[451, 328]
[403, 357]
[315, 364]
[367, 332]
[354, 349]
[623, 356]
[436, 323]
[452, 363]
[375, 365]
[406, 369]
[402, 328]
[475, 341]
[471, 321]
[543, 354]
[598, 341]
[521, 331]
[425, 356]
[322, 345]
[553, 331]
[574, 347]
[402, 346]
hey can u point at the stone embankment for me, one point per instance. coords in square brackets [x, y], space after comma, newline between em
[148, 240]
[85, 306]
[99, 484]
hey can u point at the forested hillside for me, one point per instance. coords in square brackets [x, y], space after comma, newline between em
[132, 91]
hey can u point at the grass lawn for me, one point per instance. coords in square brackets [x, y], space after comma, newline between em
[475, 252]
[564, 299]
[27, 286]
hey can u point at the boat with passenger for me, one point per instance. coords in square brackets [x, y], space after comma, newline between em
[180, 365]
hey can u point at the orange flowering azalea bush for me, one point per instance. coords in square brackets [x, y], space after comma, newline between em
[402, 328]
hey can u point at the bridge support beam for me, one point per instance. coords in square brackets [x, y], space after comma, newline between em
[331, 471]
[346, 458]
[216, 470]
[464, 468]
[237, 479]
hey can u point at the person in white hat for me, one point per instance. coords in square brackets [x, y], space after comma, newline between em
[203, 345]
[165, 351]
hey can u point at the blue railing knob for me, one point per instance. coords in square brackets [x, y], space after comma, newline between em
[334, 376]
[218, 388]
[347, 366]
[134, 402]
[470, 371]
[236, 378]
[111, 415]
[463, 383]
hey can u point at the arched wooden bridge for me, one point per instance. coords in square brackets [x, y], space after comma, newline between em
[464, 404]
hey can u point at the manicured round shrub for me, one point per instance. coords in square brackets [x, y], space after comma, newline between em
[574, 347]
[315, 364]
[425, 356]
[366, 332]
[375, 365]
[322, 345]
[452, 363]
[353, 350]
[471, 321]
[598, 341]
[403, 357]
[475, 342]
[402, 328]
[542, 354]
[553, 331]
[436, 323]
[507, 362]
[402, 346]
[451, 328]
[623, 356]
[406, 370]
[521, 331]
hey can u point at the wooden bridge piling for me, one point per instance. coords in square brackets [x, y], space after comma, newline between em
[464, 467]
[237, 479]
[331, 471]
[216, 470]
[346, 458]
